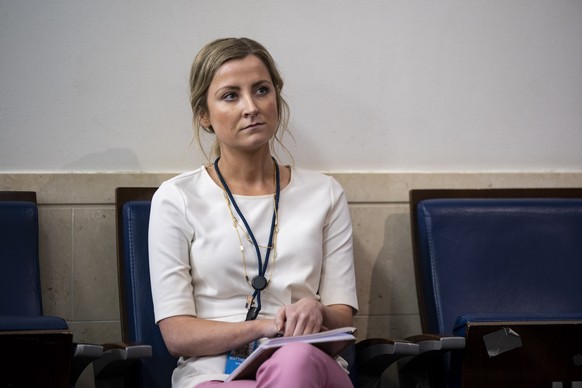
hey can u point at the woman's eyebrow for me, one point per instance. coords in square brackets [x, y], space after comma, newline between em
[224, 88]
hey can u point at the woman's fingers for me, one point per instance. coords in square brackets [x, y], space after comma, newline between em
[302, 317]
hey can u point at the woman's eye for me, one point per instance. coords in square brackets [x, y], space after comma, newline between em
[229, 96]
[263, 90]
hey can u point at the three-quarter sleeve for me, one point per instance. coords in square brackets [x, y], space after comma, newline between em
[170, 237]
[338, 284]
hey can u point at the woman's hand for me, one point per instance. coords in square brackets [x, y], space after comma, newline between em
[302, 317]
[308, 316]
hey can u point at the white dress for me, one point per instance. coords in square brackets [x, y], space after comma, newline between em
[195, 258]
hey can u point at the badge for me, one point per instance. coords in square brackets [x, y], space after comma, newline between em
[235, 357]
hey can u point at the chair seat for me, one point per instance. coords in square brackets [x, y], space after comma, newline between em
[27, 323]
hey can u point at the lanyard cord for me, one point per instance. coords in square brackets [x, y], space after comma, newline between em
[262, 267]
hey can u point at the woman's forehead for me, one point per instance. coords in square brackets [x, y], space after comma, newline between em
[241, 70]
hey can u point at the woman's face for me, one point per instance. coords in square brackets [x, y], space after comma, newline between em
[242, 105]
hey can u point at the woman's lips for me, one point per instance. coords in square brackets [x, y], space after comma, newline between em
[251, 126]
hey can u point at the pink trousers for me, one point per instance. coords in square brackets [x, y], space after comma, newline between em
[295, 365]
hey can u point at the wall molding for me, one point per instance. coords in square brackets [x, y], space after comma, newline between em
[99, 188]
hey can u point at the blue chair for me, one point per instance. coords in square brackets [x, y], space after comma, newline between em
[510, 255]
[142, 360]
[37, 350]
[20, 257]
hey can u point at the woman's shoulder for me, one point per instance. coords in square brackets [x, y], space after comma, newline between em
[185, 177]
[186, 182]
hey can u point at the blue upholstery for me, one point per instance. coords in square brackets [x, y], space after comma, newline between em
[41, 322]
[509, 256]
[495, 255]
[36, 349]
[138, 314]
[20, 292]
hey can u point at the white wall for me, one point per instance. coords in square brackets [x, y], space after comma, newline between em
[423, 85]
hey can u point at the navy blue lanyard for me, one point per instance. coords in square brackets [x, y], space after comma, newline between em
[259, 282]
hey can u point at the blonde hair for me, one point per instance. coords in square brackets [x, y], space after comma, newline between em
[210, 58]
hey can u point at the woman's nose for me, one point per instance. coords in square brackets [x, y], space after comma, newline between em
[250, 108]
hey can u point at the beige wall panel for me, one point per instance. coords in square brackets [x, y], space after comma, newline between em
[385, 274]
[94, 265]
[56, 244]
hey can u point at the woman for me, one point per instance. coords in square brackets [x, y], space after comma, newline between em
[244, 248]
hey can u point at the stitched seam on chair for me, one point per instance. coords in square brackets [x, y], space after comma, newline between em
[37, 253]
[433, 276]
[132, 272]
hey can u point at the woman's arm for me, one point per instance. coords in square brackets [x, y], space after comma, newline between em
[189, 336]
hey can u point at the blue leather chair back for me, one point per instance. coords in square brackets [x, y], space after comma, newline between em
[20, 292]
[137, 306]
[24, 355]
[507, 256]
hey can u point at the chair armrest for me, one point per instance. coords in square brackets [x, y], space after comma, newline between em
[117, 358]
[437, 342]
[435, 351]
[374, 355]
[83, 355]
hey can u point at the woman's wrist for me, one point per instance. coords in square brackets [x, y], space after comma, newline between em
[266, 328]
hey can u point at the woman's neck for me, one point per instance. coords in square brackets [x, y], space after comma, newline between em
[247, 175]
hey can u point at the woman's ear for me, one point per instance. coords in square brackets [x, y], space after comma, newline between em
[204, 120]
